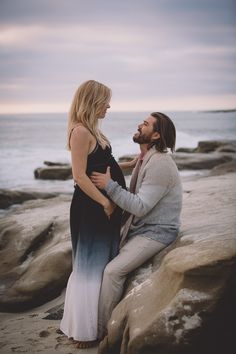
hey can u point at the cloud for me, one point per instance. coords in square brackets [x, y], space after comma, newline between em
[144, 51]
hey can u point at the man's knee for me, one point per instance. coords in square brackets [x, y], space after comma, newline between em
[112, 272]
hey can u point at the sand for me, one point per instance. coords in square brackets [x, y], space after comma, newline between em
[28, 332]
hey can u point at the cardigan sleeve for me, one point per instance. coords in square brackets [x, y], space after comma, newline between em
[155, 184]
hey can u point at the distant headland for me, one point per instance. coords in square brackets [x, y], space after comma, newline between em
[220, 110]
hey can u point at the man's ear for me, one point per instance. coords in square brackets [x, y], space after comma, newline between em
[155, 136]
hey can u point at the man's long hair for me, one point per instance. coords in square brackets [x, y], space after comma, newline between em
[165, 127]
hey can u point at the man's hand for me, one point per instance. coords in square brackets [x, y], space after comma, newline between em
[100, 180]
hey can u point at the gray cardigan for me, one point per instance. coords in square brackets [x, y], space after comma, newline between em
[157, 202]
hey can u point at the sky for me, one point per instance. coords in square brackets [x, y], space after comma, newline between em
[153, 54]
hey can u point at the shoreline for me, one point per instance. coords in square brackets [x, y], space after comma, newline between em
[55, 178]
[186, 175]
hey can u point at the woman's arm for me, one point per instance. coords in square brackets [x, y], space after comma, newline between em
[128, 164]
[80, 143]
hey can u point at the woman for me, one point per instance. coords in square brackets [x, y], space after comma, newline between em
[94, 219]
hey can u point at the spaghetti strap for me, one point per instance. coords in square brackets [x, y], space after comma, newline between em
[81, 125]
[95, 149]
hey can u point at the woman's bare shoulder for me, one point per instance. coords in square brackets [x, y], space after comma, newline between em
[81, 138]
[80, 131]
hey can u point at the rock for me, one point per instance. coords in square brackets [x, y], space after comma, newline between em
[213, 145]
[50, 163]
[227, 148]
[187, 305]
[53, 172]
[35, 253]
[188, 150]
[55, 313]
[9, 197]
[224, 168]
[218, 152]
[44, 334]
[199, 161]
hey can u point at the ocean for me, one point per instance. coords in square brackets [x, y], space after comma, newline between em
[26, 141]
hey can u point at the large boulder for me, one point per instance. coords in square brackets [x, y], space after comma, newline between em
[35, 253]
[184, 303]
[200, 161]
[207, 146]
[53, 172]
[216, 145]
[226, 167]
[206, 156]
[9, 197]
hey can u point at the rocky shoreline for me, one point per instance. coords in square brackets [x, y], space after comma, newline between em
[180, 302]
[212, 157]
[206, 155]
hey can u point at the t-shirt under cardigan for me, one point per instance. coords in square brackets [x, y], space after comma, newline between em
[157, 202]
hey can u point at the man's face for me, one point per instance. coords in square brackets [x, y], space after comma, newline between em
[145, 133]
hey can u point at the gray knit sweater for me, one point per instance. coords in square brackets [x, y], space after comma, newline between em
[156, 204]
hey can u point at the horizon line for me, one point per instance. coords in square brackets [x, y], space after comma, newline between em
[128, 111]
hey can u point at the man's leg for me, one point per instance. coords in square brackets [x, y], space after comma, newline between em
[133, 254]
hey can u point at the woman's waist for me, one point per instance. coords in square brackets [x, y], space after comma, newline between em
[115, 171]
[99, 166]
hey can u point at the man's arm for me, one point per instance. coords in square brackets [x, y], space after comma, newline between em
[155, 184]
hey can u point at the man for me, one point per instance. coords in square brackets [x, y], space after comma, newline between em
[154, 203]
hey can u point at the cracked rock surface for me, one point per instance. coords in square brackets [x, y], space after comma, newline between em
[35, 253]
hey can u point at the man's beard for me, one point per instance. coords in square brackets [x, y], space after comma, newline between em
[142, 138]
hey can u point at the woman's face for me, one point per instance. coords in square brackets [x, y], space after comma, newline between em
[103, 111]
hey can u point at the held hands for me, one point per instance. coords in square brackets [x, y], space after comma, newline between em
[100, 180]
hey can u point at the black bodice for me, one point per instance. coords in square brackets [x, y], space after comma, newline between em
[99, 159]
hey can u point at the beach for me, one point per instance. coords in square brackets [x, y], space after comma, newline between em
[29, 332]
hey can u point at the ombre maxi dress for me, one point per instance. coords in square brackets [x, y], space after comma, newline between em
[95, 242]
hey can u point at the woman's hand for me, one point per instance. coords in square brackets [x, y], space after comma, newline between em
[133, 162]
[128, 164]
[100, 180]
[109, 208]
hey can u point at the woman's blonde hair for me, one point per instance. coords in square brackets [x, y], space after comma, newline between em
[88, 102]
